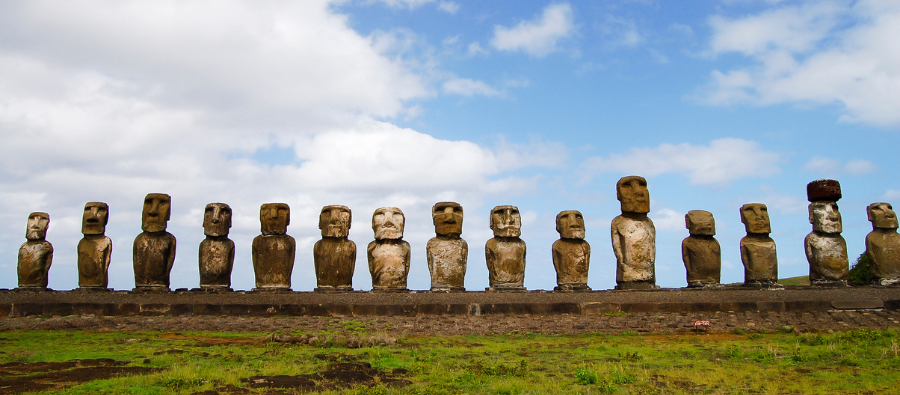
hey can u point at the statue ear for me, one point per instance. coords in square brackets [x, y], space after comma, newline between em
[812, 216]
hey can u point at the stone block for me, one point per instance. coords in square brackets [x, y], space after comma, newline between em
[155, 308]
[768, 306]
[26, 309]
[207, 309]
[807, 305]
[599, 308]
[5, 309]
[127, 309]
[57, 309]
[181, 310]
[857, 304]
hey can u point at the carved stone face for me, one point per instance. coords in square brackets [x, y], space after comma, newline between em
[570, 224]
[216, 219]
[633, 193]
[448, 218]
[274, 218]
[506, 222]
[96, 216]
[156, 212]
[334, 221]
[882, 216]
[825, 217]
[387, 222]
[700, 223]
[755, 217]
[37, 226]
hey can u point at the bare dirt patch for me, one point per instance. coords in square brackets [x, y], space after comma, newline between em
[337, 375]
[19, 378]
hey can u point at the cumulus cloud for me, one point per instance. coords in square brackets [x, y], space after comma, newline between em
[723, 160]
[816, 53]
[449, 7]
[191, 99]
[536, 37]
[467, 87]
[829, 167]
[891, 195]
[476, 49]
[667, 220]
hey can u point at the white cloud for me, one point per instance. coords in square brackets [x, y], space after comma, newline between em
[828, 167]
[467, 87]
[475, 49]
[537, 37]
[723, 160]
[815, 53]
[108, 102]
[667, 220]
[448, 7]
[891, 194]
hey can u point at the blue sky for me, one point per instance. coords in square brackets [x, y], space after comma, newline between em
[543, 105]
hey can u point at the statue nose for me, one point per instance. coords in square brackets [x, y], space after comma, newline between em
[154, 209]
[215, 215]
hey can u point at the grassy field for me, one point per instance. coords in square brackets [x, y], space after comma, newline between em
[851, 362]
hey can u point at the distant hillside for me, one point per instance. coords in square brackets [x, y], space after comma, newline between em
[802, 280]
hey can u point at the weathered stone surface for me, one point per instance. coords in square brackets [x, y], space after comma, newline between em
[36, 254]
[334, 256]
[95, 249]
[447, 253]
[823, 190]
[700, 251]
[826, 249]
[154, 249]
[883, 244]
[634, 236]
[571, 253]
[388, 255]
[273, 250]
[217, 250]
[505, 253]
[758, 252]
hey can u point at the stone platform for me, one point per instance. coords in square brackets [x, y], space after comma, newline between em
[731, 299]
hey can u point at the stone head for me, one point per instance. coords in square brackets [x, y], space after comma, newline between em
[334, 221]
[274, 218]
[632, 192]
[37, 226]
[700, 223]
[882, 216]
[96, 216]
[570, 224]
[506, 221]
[448, 218]
[755, 217]
[387, 222]
[825, 217]
[156, 212]
[216, 219]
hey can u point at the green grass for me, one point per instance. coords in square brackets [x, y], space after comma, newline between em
[857, 361]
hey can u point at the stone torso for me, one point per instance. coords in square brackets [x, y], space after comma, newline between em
[389, 263]
[702, 259]
[447, 261]
[93, 261]
[273, 260]
[506, 261]
[35, 258]
[636, 252]
[571, 258]
[884, 250]
[216, 261]
[760, 259]
[335, 259]
[154, 254]
[827, 256]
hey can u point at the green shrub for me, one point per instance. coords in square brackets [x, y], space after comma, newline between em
[861, 272]
[585, 376]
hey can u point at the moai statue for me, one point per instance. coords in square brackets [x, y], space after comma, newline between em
[634, 236]
[95, 249]
[334, 256]
[883, 244]
[154, 248]
[571, 253]
[826, 249]
[388, 255]
[36, 255]
[505, 253]
[273, 250]
[447, 252]
[758, 249]
[217, 250]
[700, 251]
